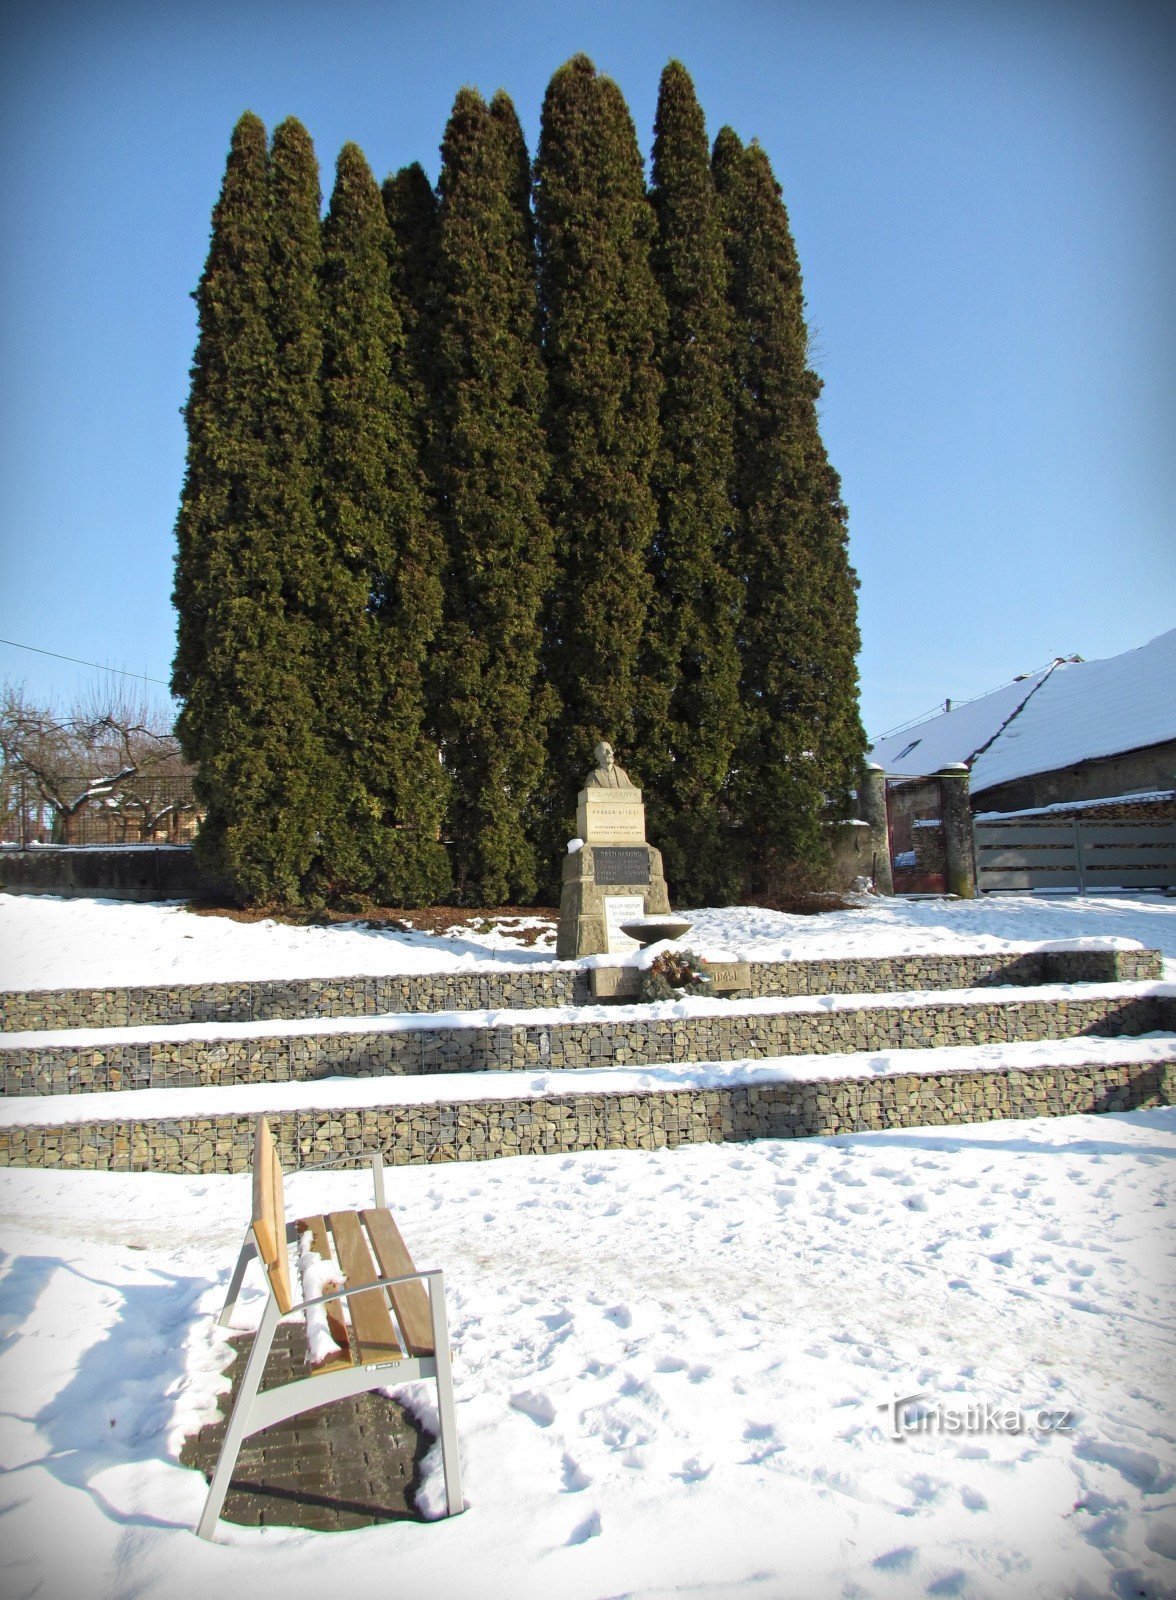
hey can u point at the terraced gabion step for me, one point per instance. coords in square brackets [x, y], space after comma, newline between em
[228, 1053]
[505, 988]
[1079, 1076]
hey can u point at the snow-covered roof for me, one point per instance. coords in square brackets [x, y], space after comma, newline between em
[1068, 712]
[955, 735]
[1088, 709]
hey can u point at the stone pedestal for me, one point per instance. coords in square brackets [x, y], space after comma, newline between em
[593, 876]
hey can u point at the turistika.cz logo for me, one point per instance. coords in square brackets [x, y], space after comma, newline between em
[918, 1413]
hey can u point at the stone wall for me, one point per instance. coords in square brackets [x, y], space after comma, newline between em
[135, 872]
[1132, 772]
[492, 991]
[428, 1048]
[478, 1130]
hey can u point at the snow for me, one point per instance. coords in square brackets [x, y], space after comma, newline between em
[1088, 709]
[1065, 806]
[955, 735]
[676, 1371]
[47, 942]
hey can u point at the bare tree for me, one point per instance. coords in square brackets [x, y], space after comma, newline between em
[112, 748]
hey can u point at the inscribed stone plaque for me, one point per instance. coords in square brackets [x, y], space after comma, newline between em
[610, 816]
[620, 908]
[729, 975]
[621, 866]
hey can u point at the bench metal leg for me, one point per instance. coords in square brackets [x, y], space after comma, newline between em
[238, 1424]
[446, 1410]
[248, 1252]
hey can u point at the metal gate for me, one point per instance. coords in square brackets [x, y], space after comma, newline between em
[914, 820]
[1070, 855]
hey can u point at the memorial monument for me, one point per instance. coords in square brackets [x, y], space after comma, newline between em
[610, 874]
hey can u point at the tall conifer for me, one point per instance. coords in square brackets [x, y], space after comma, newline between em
[241, 667]
[802, 739]
[410, 205]
[382, 607]
[690, 683]
[602, 313]
[296, 322]
[492, 710]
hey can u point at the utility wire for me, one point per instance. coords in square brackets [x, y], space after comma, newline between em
[78, 662]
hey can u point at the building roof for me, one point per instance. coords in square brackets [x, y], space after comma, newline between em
[956, 735]
[1088, 709]
[1068, 712]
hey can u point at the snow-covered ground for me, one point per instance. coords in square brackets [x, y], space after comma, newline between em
[676, 1372]
[48, 943]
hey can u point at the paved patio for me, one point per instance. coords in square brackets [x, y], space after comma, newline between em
[347, 1465]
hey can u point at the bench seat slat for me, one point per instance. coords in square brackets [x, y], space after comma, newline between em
[373, 1335]
[411, 1300]
[333, 1310]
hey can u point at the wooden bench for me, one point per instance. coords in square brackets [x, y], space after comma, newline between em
[380, 1326]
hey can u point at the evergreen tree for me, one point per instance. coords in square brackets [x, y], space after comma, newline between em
[296, 323]
[802, 740]
[601, 317]
[410, 206]
[248, 718]
[492, 711]
[690, 688]
[382, 607]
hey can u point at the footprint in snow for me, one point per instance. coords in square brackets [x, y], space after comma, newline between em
[1002, 1258]
[536, 1406]
[588, 1529]
[620, 1315]
[574, 1477]
[973, 1500]
[915, 1202]
[693, 1471]
[896, 1560]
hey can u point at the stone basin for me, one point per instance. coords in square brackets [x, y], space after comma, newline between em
[650, 929]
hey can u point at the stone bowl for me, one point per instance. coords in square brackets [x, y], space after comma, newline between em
[650, 929]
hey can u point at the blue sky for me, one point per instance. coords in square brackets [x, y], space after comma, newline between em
[982, 195]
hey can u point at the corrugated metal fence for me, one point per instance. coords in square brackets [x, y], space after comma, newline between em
[1069, 854]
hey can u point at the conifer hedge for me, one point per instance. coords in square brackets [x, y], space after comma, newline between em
[479, 475]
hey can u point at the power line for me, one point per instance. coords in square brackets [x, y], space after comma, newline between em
[78, 662]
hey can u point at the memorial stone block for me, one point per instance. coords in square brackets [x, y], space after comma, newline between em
[614, 875]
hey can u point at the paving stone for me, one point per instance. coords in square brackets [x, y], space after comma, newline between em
[350, 1464]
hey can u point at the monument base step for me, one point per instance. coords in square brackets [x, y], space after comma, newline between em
[209, 1131]
[99, 1061]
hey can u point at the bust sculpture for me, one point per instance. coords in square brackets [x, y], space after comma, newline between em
[606, 774]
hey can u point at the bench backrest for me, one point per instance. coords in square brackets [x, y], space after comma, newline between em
[269, 1215]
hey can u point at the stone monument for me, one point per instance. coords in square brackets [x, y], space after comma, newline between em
[610, 874]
